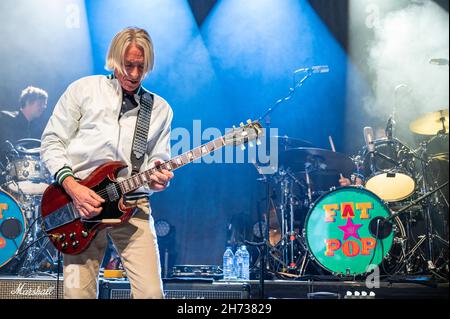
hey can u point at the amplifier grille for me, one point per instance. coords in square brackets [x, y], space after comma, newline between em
[176, 290]
[20, 288]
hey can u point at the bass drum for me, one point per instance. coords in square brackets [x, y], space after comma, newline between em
[12, 227]
[341, 231]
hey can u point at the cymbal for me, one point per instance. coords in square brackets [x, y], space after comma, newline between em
[323, 166]
[431, 123]
[285, 142]
[316, 160]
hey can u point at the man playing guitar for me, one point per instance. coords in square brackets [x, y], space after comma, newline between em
[94, 123]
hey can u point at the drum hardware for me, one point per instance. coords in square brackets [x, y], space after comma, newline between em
[297, 165]
[26, 178]
[429, 236]
[35, 256]
[283, 246]
[286, 207]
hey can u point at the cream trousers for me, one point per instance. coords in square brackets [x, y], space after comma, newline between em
[137, 246]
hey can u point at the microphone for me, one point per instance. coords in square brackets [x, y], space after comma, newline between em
[368, 137]
[314, 69]
[439, 61]
[389, 127]
[380, 227]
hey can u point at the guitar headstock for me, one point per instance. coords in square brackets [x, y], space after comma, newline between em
[245, 133]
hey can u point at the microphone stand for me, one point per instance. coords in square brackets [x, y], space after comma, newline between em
[413, 203]
[288, 97]
[265, 242]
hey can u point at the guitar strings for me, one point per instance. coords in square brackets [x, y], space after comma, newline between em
[104, 193]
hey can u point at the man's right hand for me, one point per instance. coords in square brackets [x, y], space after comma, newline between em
[86, 201]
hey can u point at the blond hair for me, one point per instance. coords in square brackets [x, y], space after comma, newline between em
[31, 94]
[120, 43]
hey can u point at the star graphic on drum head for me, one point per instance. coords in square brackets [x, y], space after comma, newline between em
[350, 229]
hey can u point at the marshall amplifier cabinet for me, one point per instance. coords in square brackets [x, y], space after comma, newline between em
[180, 289]
[30, 288]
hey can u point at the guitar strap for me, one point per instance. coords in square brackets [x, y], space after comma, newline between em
[141, 132]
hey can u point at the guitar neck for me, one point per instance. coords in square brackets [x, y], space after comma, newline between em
[134, 182]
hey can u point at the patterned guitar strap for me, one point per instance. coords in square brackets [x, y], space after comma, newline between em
[141, 132]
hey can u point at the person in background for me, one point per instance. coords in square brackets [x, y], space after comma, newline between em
[21, 124]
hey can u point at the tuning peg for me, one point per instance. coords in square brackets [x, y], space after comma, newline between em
[242, 147]
[258, 141]
[249, 121]
[250, 144]
[241, 124]
[234, 127]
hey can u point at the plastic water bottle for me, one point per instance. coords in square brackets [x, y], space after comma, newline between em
[239, 263]
[245, 255]
[228, 265]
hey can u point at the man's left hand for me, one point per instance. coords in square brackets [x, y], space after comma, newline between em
[160, 179]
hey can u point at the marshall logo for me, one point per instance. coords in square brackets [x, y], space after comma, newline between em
[23, 290]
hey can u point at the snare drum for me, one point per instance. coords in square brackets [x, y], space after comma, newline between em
[27, 174]
[389, 170]
[12, 227]
[340, 232]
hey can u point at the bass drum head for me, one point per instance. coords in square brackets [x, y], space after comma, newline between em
[338, 231]
[12, 227]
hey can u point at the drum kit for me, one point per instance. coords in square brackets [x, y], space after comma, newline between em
[397, 221]
[24, 249]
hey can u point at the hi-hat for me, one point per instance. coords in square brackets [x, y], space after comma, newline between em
[431, 123]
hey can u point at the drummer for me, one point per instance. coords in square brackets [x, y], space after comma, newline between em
[22, 123]
[355, 179]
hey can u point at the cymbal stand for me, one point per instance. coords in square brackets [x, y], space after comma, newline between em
[37, 253]
[431, 233]
[423, 148]
[281, 256]
[287, 213]
[428, 237]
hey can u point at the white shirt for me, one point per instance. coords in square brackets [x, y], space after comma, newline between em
[85, 131]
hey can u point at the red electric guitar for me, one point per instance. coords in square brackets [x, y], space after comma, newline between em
[71, 234]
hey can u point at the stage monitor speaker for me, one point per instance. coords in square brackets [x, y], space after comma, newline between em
[180, 289]
[30, 288]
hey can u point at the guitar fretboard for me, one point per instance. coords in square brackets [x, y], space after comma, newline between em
[134, 182]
